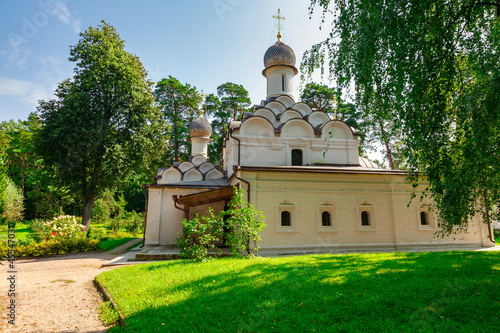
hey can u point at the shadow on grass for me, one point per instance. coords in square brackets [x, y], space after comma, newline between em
[402, 292]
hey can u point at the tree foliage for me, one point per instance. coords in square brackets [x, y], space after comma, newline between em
[234, 101]
[179, 103]
[374, 130]
[13, 205]
[239, 226]
[430, 68]
[102, 123]
[320, 97]
[244, 224]
[44, 195]
[3, 180]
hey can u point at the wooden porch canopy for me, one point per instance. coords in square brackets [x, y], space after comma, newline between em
[197, 199]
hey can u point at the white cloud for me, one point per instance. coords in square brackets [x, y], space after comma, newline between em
[17, 54]
[53, 70]
[63, 14]
[25, 91]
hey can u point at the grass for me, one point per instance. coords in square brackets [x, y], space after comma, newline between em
[66, 282]
[107, 314]
[22, 230]
[120, 238]
[115, 238]
[134, 245]
[108, 245]
[390, 292]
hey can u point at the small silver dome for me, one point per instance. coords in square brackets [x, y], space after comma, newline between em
[200, 127]
[279, 54]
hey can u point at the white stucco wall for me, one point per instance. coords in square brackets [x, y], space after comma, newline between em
[306, 196]
[164, 221]
[394, 225]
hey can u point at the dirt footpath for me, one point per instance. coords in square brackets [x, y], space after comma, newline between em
[56, 294]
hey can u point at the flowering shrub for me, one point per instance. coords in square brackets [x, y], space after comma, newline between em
[63, 234]
[62, 227]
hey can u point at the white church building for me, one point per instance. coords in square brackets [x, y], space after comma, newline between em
[302, 169]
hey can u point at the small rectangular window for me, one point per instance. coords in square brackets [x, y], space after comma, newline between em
[282, 82]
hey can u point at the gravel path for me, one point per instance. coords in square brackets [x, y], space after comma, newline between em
[56, 294]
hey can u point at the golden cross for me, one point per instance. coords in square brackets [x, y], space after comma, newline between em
[279, 17]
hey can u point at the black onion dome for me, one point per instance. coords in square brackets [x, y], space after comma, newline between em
[279, 54]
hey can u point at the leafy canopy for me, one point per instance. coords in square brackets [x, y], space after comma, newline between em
[234, 101]
[102, 123]
[431, 68]
[179, 104]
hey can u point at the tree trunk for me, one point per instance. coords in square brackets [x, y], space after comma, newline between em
[87, 212]
[176, 134]
[488, 220]
[387, 146]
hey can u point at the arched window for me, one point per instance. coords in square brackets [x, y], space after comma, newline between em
[296, 157]
[283, 82]
[326, 219]
[286, 220]
[365, 218]
[424, 218]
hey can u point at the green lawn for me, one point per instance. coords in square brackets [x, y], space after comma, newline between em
[397, 292]
[22, 231]
[107, 245]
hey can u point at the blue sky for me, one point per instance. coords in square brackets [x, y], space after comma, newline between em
[201, 42]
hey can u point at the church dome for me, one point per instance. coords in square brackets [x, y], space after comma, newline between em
[200, 127]
[279, 54]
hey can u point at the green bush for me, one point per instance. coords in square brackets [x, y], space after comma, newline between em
[13, 205]
[244, 224]
[37, 226]
[241, 225]
[115, 224]
[199, 236]
[104, 208]
[132, 221]
[4, 248]
[62, 227]
[63, 234]
[31, 248]
[97, 233]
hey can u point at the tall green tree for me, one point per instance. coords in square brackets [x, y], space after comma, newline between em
[374, 130]
[3, 169]
[23, 160]
[320, 97]
[234, 101]
[432, 69]
[179, 103]
[102, 123]
[212, 107]
[44, 195]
